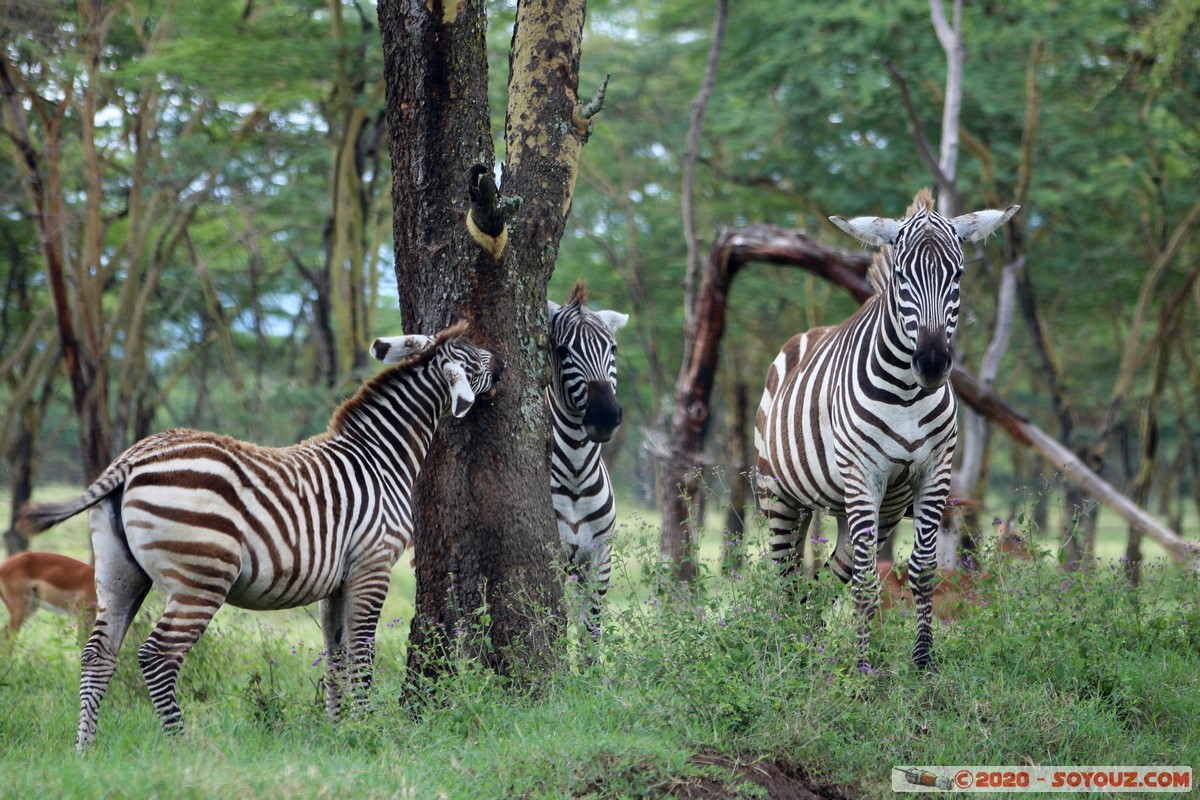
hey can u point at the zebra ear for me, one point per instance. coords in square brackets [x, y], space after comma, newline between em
[462, 396]
[394, 349]
[613, 320]
[979, 225]
[870, 230]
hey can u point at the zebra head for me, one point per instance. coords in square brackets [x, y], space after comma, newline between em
[470, 372]
[925, 254]
[584, 355]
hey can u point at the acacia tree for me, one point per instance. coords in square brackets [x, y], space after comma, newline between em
[464, 250]
[111, 198]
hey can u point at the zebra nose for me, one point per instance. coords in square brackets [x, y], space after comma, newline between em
[932, 358]
[603, 414]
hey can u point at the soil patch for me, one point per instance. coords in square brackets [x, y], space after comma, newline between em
[729, 777]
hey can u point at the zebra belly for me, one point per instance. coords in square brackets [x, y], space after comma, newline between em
[897, 502]
[269, 590]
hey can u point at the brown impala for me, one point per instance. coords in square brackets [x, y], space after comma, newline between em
[55, 581]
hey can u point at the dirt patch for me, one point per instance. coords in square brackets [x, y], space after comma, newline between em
[730, 777]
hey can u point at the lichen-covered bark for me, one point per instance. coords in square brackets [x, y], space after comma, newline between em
[544, 130]
[485, 526]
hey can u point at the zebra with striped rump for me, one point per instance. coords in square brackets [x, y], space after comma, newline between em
[213, 520]
[859, 419]
[582, 403]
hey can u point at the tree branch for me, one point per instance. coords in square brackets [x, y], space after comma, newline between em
[945, 185]
[1135, 353]
[487, 217]
[597, 102]
[690, 154]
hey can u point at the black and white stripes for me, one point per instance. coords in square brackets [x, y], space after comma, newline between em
[584, 413]
[859, 419]
[212, 520]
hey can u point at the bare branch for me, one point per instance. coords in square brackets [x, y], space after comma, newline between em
[1135, 353]
[690, 153]
[945, 186]
[596, 105]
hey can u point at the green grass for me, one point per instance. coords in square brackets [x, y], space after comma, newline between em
[1053, 670]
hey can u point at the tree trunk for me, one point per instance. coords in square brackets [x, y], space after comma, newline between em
[691, 154]
[67, 204]
[482, 546]
[42, 182]
[732, 548]
[678, 543]
[20, 469]
[1139, 491]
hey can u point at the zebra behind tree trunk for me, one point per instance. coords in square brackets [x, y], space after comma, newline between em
[213, 520]
[584, 412]
[859, 418]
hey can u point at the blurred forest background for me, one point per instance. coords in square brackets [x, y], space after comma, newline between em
[195, 211]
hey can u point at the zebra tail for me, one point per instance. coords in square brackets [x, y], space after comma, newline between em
[36, 517]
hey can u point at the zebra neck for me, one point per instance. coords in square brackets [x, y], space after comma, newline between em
[892, 350]
[568, 427]
[394, 418]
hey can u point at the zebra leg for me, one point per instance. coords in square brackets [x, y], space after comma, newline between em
[862, 517]
[183, 621]
[121, 586]
[597, 575]
[789, 526]
[365, 591]
[333, 627]
[922, 566]
[577, 593]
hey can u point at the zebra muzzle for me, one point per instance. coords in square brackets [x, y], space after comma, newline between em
[497, 369]
[932, 358]
[603, 414]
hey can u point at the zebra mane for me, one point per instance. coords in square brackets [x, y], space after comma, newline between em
[578, 293]
[372, 386]
[880, 271]
[922, 203]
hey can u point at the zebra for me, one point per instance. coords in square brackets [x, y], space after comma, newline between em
[212, 520]
[582, 405]
[859, 419]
